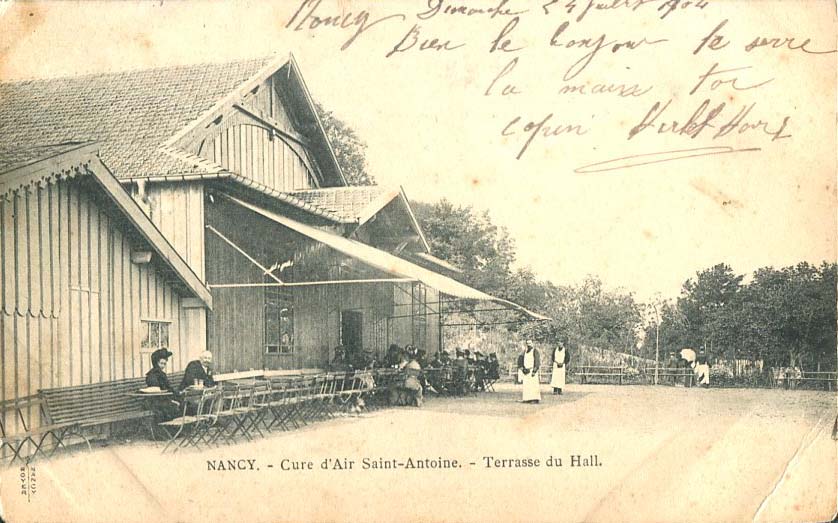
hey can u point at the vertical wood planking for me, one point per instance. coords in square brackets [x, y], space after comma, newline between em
[7, 251]
[32, 248]
[19, 246]
[3, 256]
[74, 303]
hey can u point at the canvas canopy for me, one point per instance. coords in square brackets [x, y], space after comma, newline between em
[385, 261]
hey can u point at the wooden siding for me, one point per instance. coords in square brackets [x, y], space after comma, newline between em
[317, 319]
[177, 209]
[235, 326]
[236, 323]
[253, 152]
[72, 300]
[248, 147]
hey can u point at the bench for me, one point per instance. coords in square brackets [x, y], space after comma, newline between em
[98, 404]
[672, 374]
[585, 372]
[827, 378]
[33, 438]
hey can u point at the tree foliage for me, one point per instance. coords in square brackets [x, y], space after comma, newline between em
[470, 241]
[785, 317]
[585, 314]
[782, 316]
[349, 149]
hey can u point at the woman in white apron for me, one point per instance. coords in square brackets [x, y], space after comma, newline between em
[557, 381]
[702, 372]
[528, 364]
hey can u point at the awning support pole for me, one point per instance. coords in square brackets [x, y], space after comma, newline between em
[441, 346]
[241, 251]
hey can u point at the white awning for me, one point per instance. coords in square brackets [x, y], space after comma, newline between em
[384, 260]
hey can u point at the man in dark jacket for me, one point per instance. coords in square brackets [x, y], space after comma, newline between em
[200, 369]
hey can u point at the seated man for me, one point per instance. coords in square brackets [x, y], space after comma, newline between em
[493, 372]
[201, 370]
[340, 363]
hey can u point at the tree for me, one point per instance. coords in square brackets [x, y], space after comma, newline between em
[707, 302]
[588, 314]
[470, 241]
[784, 317]
[350, 150]
[789, 315]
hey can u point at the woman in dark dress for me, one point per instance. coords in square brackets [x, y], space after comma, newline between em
[166, 408]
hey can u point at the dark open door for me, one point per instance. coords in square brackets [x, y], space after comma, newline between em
[352, 331]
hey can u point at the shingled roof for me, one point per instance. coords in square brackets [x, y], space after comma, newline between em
[12, 158]
[346, 203]
[131, 114]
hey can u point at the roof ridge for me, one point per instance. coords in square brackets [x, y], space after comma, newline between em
[89, 75]
[336, 189]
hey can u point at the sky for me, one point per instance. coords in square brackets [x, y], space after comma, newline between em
[437, 123]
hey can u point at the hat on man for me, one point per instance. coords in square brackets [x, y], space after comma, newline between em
[158, 355]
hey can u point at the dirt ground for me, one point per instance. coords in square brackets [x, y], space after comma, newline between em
[652, 454]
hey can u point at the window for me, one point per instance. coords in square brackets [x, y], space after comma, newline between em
[155, 335]
[279, 321]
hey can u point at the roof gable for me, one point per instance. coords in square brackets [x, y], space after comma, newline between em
[132, 114]
[81, 161]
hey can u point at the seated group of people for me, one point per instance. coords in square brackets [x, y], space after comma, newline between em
[466, 372]
[409, 389]
[349, 359]
[198, 373]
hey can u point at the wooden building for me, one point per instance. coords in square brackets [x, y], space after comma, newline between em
[90, 286]
[197, 207]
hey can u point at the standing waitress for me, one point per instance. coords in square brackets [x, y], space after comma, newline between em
[560, 360]
[528, 363]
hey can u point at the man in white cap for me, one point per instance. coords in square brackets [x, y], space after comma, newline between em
[528, 363]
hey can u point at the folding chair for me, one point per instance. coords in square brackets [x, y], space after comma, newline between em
[206, 416]
[255, 418]
[299, 396]
[362, 385]
[225, 413]
[344, 391]
[244, 410]
[179, 425]
[322, 397]
[280, 402]
[309, 398]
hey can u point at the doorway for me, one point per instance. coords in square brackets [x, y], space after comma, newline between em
[352, 331]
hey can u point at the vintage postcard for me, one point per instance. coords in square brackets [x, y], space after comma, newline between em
[418, 261]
